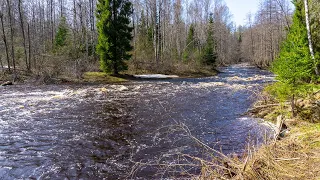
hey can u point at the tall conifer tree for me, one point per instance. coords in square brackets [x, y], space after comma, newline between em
[294, 65]
[210, 55]
[61, 36]
[114, 34]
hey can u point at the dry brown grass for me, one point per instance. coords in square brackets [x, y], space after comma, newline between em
[183, 69]
[294, 157]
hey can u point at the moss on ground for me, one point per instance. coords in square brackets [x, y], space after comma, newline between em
[101, 77]
[309, 134]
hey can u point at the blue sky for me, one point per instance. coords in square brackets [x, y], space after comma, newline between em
[240, 9]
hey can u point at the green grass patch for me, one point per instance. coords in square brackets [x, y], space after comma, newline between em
[308, 134]
[101, 77]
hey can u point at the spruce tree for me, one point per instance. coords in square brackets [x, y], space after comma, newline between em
[191, 43]
[61, 36]
[210, 55]
[293, 67]
[114, 34]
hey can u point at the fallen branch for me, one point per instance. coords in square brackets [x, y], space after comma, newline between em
[266, 106]
[286, 159]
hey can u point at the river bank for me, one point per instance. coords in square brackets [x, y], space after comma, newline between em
[295, 155]
[100, 77]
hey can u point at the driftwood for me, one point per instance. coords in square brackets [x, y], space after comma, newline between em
[281, 127]
[316, 92]
[7, 83]
[265, 106]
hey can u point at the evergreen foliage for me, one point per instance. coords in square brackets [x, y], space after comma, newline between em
[61, 36]
[191, 43]
[210, 55]
[293, 67]
[294, 64]
[114, 34]
[191, 38]
[315, 29]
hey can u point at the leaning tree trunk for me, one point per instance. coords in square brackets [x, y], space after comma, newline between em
[5, 41]
[23, 35]
[309, 36]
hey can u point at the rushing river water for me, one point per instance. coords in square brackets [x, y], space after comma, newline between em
[100, 131]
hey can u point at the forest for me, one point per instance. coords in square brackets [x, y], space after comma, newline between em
[241, 101]
[59, 37]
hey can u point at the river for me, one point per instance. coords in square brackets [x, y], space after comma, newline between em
[99, 131]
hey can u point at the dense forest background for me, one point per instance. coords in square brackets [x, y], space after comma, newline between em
[55, 37]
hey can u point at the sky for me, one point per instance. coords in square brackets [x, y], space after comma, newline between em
[240, 9]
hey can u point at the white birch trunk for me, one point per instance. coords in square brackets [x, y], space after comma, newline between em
[309, 35]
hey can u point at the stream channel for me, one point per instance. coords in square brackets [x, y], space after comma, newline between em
[101, 131]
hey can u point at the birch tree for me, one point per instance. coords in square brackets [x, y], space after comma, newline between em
[306, 7]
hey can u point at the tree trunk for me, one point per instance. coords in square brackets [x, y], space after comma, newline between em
[87, 32]
[74, 25]
[293, 107]
[23, 36]
[309, 36]
[115, 58]
[155, 30]
[5, 41]
[51, 21]
[29, 41]
[12, 33]
[92, 35]
[1, 63]
[61, 8]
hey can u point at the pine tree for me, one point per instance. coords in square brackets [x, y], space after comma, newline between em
[61, 36]
[210, 55]
[294, 65]
[114, 34]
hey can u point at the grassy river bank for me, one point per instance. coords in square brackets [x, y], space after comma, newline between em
[296, 155]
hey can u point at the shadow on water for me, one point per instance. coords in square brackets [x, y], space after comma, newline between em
[99, 131]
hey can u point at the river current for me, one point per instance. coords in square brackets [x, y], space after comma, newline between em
[102, 131]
